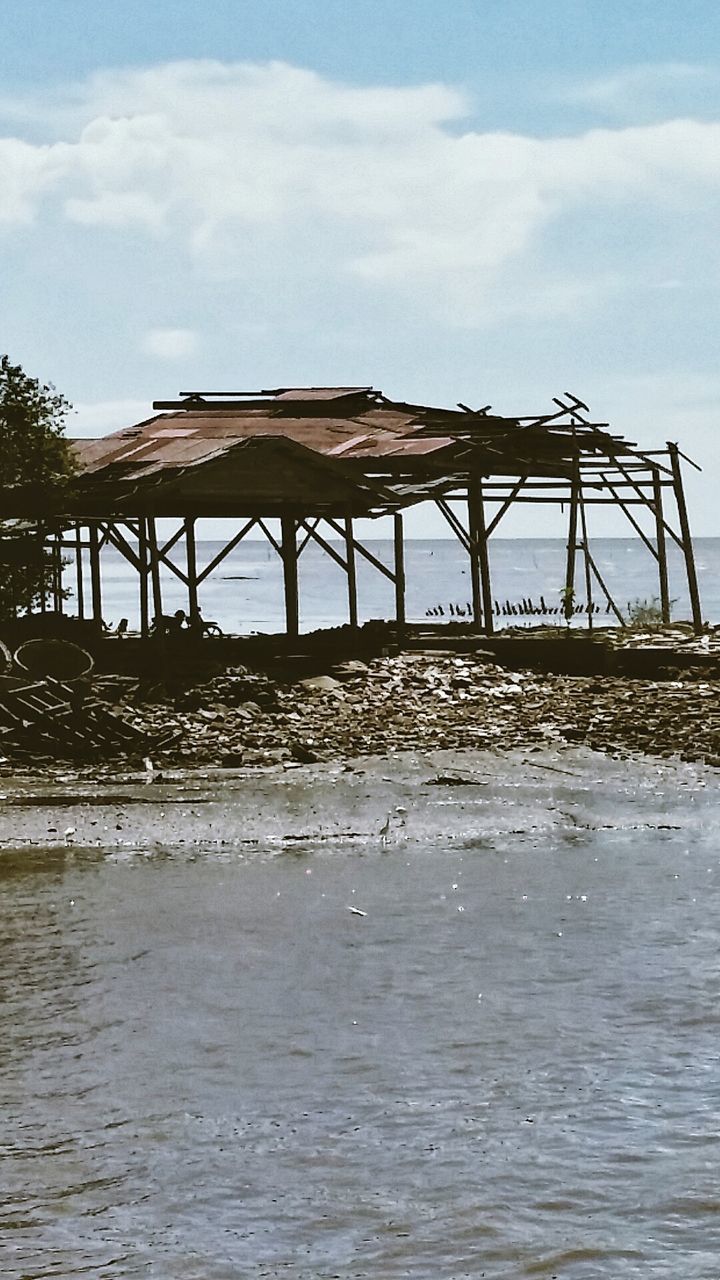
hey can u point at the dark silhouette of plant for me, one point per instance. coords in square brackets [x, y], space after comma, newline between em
[35, 467]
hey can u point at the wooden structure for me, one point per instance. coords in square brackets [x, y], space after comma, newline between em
[316, 459]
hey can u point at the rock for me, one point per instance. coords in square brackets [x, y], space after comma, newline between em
[322, 684]
[349, 670]
[233, 760]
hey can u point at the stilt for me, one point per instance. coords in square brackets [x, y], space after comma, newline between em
[191, 563]
[569, 592]
[95, 580]
[79, 580]
[478, 537]
[156, 585]
[686, 538]
[57, 574]
[144, 571]
[477, 612]
[290, 574]
[586, 561]
[399, 543]
[42, 583]
[351, 573]
[661, 547]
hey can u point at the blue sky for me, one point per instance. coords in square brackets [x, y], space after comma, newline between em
[487, 202]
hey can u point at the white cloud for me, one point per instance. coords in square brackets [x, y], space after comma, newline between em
[237, 164]
[170, 344]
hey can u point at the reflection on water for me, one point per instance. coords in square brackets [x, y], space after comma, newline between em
[211, 1068]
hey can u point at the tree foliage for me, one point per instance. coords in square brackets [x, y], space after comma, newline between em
[35, 466]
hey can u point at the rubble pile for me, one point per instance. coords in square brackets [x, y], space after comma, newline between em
[423, 700]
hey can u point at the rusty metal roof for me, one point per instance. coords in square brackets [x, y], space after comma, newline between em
[329, 447]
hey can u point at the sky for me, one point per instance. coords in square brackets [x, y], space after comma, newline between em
[452, 200]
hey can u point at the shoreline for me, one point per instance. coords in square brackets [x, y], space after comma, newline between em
[379, 805]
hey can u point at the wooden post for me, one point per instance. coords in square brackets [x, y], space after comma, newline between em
[57, 573]
[399, 543]
[661, 546]
[569, 594]
[144, 571]
[43, 580]
[80, 584]
[290, 574]
[474, 549]
[686, 538]
[351, 573]
[95, 579]
[155, 576]
[586, 558]
[191, 562]
[478, 536]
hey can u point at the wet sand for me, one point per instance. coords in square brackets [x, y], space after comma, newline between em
[462, 797]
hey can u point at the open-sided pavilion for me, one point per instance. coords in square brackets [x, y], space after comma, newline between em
[311, 461]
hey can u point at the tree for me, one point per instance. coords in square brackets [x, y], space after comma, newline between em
[35, 466]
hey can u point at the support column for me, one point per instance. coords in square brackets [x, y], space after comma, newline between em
[661, 547]
[478, 537]
[155, 576]
[586, 561]
[290, 574]
[57, 574]
[399, 543]
[191, 562]
[80, 583]
[474, 550]
[686, 538]
[95, 579]
[144, 571]
[351, 573]
[569, 594]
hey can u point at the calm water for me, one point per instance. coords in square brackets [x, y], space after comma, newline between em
[508, 1068]
[245, 592]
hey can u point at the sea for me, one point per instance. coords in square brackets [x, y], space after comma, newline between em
[244, 594]
[292, 1051]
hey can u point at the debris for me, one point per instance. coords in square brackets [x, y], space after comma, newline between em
[355, 911]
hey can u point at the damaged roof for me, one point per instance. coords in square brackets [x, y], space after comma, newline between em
[339, 450]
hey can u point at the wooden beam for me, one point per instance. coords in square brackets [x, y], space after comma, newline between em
[230, 546]
[473, 549]
[152, 541]
[399, 548]
[569, 594]
[95, 578]
[143, 571]
[351, 573]
[79, 580]
[192, 578]
[661, 548]
[478, 535]
[687, 544]
[290, 575]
